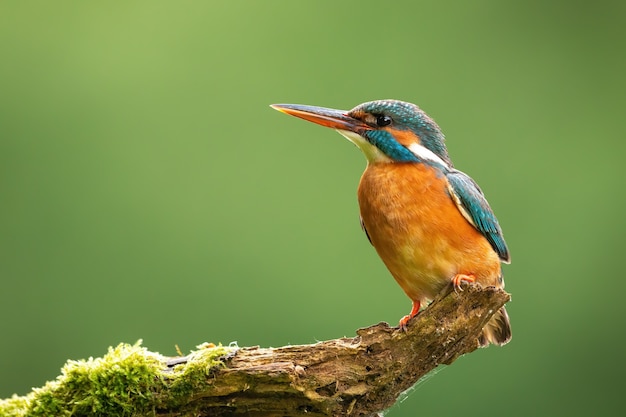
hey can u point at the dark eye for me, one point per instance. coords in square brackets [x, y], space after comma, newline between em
[383, 120]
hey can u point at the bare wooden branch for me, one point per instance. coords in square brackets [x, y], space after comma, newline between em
[351, 376]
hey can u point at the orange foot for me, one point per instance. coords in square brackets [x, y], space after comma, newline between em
[460, 278]
[404, 320]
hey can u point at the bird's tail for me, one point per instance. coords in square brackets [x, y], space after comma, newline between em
[497, 331]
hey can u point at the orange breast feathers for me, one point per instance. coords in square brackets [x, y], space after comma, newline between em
[418, 231]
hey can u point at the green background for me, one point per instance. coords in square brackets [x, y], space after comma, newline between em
[148, 191]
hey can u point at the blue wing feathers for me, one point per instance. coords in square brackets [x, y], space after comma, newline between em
[470, 199]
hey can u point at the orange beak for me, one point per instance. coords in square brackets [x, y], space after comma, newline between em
[335, 119]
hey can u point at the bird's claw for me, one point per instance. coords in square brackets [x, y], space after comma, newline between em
[460, 279]
[404, 321]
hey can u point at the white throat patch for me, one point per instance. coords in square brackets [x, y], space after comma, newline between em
[371, 152]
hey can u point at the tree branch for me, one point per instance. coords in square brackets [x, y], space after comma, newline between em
[357, 376]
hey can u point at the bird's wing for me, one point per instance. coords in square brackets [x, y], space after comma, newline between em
[472, 204]
[365, 230]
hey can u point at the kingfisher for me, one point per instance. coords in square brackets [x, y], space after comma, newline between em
[430, 223]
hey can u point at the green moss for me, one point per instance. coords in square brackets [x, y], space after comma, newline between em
[15, 406]
[192, 376]
[128, 380]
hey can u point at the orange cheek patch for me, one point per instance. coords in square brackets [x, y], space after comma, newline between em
[404, 137]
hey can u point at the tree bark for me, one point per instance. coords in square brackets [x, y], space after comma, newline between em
[358, 376]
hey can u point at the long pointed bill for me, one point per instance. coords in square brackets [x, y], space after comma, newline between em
[335, 119]
[349, 127]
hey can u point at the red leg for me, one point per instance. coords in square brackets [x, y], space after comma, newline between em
[404, 320]
[459, 278]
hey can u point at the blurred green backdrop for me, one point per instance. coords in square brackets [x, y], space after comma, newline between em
[148, 191]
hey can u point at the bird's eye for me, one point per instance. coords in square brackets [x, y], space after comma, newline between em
[383, 120]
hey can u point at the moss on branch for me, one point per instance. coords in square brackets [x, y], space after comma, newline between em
[357, 376]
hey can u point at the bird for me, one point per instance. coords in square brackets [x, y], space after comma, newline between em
[430, 223]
